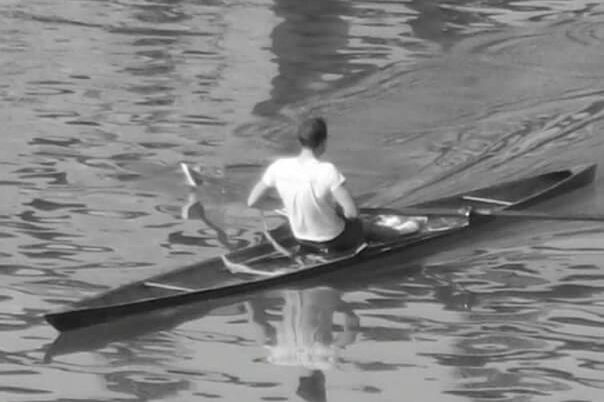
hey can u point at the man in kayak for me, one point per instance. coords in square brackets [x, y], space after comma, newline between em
[321, 212]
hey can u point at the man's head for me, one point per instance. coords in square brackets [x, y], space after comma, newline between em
[312, 134]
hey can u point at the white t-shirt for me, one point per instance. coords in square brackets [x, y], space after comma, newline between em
[306, 187]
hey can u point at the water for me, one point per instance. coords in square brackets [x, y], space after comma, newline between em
[101, 100]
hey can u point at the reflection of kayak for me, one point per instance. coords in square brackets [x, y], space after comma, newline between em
[133, 326]
[386, 234]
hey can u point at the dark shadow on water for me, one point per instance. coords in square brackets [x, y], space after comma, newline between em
[306, 45]
[442, 25]
[313, 51]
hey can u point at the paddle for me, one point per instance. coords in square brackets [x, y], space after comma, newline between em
[486, 212]
[193, 179]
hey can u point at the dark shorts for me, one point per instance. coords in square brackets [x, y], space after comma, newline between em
[350, 238]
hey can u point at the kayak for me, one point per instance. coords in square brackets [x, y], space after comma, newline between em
[277, 258]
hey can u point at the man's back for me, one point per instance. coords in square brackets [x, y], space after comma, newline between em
[306, 188]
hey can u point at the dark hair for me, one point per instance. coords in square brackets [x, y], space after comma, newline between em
[313, 132]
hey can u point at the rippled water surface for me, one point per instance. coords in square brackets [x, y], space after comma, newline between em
[102, 99]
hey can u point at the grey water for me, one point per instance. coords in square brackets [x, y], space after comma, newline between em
[102, 99]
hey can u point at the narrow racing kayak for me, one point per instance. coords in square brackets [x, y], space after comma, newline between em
[277, 259]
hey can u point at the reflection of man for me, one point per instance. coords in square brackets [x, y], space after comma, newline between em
[305, 335]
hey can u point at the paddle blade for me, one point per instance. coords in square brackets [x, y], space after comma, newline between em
[192, 178]
[536, 215]
[486, 212]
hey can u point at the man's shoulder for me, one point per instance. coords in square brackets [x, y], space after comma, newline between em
[282, 161]
[328, 166]
[282, 165]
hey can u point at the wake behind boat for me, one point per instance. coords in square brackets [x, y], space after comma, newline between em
[277, 259]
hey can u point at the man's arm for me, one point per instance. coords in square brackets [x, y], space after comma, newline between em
[259, 190]
[345, 200]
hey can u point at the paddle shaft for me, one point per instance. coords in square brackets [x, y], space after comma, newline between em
[499, 213]
[487, 212]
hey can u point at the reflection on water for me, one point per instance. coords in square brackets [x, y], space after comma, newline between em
[496, 320]
[304, 336]
[297, 327]
[103, 99]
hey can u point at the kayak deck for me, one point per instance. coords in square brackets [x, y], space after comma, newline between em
[278, 259]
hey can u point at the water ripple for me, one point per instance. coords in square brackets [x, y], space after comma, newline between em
[587, 34]
[106, 97]
[126, 30]
[531, 50]
[122, 215]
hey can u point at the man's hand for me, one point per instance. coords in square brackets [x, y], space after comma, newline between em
[346, 202]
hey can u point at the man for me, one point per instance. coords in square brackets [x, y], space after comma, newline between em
[321, 212]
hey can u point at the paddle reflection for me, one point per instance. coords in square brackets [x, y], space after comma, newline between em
[193, 209]
[229, 225]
